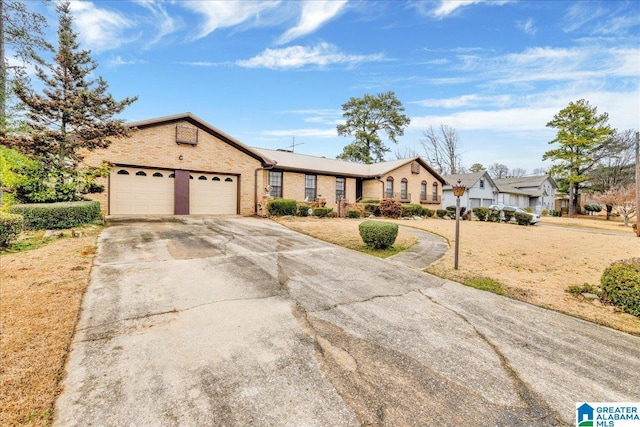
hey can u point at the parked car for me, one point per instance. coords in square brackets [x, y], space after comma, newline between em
[535, 218]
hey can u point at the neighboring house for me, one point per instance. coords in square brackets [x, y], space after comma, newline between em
[480, 190]
[536, 192]
[182, 165]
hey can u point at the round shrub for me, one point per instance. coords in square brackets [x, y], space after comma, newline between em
[522, 218]
[282, 207]
[302, 210]
[480, 212]
[441, 213]
[322, 212]
[353, 213]
[620, 284]
[11, 226]
[390, 208]
[378, 234]
[410, 209]
[428, 212]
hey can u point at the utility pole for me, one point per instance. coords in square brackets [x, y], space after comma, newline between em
[638, 184]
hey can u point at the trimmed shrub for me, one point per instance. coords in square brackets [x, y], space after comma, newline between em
[528, 209]
[545, 212]
[378, 234]
[451, 211]
[522, 218]
[428, 212]
[282, 207]
[480, 212]
[441, 213]
[372, 209]
[302, 210]
[390, 208]
[56, 216]
[555, 212]
[592, 209]
[620, 284]
[409, 209]
[11, 226]
[353, 213]
[374, 201]
[494, 215]
[322, 212]
[508, 215]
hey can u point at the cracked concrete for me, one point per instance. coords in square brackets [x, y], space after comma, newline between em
[236, 321]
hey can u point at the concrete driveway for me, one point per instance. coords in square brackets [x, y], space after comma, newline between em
[237, 321]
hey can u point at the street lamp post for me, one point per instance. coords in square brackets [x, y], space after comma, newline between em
[458, 190]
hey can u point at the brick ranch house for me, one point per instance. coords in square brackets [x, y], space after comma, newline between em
[181, 165]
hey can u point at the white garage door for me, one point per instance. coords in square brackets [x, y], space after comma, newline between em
[141, 191]
[213, 194]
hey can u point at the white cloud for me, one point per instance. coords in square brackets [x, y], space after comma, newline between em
[466, 101]
[223, 14]
[99, 29]
[161, 19]
[322, 54]
[448, 7]
[314, 14]
[527, 26]
[119, 61]
[305, 132]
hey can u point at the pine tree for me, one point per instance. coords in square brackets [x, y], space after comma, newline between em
[74, 112]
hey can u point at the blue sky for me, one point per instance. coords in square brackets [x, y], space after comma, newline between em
[268, 71]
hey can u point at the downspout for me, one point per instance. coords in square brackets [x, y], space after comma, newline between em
[255, 185]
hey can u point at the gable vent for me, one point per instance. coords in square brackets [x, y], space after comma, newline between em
[415, 167]
[186, 135]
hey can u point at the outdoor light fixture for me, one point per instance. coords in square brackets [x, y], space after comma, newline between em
[458, 190]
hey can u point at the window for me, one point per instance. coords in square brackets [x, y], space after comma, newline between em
[340, 188]
[157, 175]
[141, 173]
[481, 182]
[228, 180]
[403, 189]
[434, 192]
[423, 190]
[202, 178]
[123, 172]
[389, 191]
[310, 187]
[275, 181]
[173, 175]
[215, 178]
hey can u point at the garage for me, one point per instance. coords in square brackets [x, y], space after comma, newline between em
[141, 191]
[145, 191]
[213, 194]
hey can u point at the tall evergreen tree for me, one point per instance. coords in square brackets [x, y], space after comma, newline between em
[22, 31]
[582, 137]
[74, 112]
[365, 118]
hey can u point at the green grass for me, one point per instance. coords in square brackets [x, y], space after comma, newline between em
[27, 241]
[383, 253]
[485, 284]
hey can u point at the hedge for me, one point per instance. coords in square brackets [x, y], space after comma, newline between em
[353, 213]
[481, 212]
[322, 212]
[302, 210]
[282, 207]
[441, 213]
[620, 284]
[57, 216]
[523, 218]
[11, 226]
[378, 234]
[409, 209]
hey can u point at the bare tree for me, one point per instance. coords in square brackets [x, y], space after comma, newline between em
[540, 171]
[616, 167]
[517, 172]
[622, 199]
[443, 149]
[498, 170]
[405, 152]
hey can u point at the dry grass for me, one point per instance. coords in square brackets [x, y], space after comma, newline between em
[40, 295]
[534, 264]
[348, 237]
